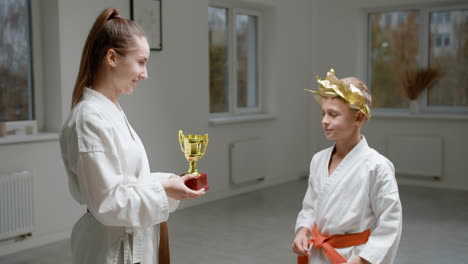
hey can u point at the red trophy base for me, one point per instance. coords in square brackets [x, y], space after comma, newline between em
[198, 182]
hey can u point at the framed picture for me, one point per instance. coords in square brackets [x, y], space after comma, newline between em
[147, 14]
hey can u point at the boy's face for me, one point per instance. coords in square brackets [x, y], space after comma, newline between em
[339, 121]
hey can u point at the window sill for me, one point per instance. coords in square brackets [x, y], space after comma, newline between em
[29, 138]
[239, 119]
[431, 116]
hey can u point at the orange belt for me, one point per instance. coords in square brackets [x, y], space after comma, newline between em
[329, 243]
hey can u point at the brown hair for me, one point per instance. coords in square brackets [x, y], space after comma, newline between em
[110, 31]
[361, 86]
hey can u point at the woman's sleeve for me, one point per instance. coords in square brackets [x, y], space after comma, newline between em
[112, 200]
[162, 176]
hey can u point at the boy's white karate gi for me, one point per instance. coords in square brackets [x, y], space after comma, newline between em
[360, 194]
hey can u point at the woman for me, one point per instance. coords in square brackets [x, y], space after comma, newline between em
[105, 160]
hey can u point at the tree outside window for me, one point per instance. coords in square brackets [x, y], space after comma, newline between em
[394, 48]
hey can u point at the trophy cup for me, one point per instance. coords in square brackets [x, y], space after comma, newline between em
[194, 147]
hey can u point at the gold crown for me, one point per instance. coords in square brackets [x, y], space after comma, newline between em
[331, 86]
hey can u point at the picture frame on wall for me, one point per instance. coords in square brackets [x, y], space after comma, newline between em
[147, 14]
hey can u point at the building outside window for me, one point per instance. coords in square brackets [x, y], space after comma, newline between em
[451, 56]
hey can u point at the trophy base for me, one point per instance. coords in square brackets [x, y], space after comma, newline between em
[198, 182]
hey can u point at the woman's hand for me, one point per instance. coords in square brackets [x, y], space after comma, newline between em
[300, 244]
[176, 189]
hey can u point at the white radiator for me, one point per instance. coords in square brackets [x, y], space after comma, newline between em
[416, 156]
[16, 205]
[247, 161]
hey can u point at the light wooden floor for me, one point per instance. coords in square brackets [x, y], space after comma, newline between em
[258, 228]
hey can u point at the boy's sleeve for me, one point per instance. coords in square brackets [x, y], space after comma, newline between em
[307, 214]
[385, 236]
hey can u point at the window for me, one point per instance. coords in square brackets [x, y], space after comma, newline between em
[234, 50]
[448, 50]
[440, 17]
[16, 89]
[408, 39]
[391, 55]
[218, 42]
[442, 40]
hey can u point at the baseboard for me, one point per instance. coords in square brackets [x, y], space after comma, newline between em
[430, 184]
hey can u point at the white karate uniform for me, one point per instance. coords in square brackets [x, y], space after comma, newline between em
[360, 194]
[108, 171]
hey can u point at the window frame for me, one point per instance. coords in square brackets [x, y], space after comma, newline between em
[232, 11]
[36, 67]
[424, 12]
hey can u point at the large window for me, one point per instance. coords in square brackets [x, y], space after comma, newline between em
[16, 93]
[404, 40]
[391, 54]
[234, 50]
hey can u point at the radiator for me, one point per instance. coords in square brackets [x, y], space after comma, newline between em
[247, 161]
[416, 156]
[16, 205]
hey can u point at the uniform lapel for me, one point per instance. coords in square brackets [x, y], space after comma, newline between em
[338, 174]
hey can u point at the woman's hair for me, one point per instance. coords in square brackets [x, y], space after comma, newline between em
[110, 31]
[361, 86]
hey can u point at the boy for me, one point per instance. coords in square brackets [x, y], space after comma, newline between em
[351, 209]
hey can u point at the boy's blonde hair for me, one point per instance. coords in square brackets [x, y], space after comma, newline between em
[361, 86]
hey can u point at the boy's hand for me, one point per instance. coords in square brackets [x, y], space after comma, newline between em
[299, 245]
[358, 260]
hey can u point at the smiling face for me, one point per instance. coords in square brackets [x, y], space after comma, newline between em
[339, 121]
[131, 67]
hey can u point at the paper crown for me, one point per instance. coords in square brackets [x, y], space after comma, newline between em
[331, 86]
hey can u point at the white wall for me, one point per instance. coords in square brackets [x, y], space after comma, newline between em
[340, 43]
[175, 97]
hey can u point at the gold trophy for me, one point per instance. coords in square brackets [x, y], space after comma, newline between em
[194, 147]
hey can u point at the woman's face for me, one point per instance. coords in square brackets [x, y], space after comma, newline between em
[131, 68]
